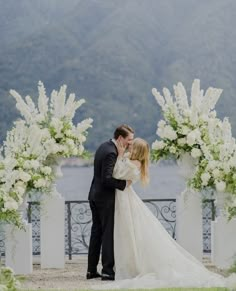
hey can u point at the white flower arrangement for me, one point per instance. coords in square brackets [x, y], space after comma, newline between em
[195, 129]
[218, 160]
[32, 148]
[185, 124]
[54, 116]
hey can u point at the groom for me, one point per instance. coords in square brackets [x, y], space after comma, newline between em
[102, 202]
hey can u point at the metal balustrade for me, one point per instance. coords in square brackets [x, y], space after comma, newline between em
[78, 220]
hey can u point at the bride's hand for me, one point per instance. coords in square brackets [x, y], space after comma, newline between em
[120, 148]
[128, 183]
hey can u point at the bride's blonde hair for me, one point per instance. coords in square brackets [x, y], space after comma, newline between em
[140, 151]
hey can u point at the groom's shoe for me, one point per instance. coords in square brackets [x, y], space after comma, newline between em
[90, 275]
[106, 277]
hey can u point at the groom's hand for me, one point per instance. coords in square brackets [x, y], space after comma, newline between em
[128, 183]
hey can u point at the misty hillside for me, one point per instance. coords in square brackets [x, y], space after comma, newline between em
[113, 52]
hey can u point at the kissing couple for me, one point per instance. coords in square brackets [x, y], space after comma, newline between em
[136, 250]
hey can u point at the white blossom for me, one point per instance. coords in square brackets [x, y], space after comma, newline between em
[158, 145]
[81, 149]
[168, 98]
[232, 160]
[22, 106]
[35, 164]
[42, 101]
[10, 204]
[81, 138]
[212, 114]
[58, 102]
[194, 117]
[226, 128]
[55, 149]
[172, 150]
[69, 113]
[27, 165]
[57, 124]
[159, 98]
[191, 138]
[216, 173]
[187, 112]
[70, 142]
[46, 170]
[84, 125]
[31, 105]
[181, 97]
[220, 186]
[212, 164]
[185, 130]
[196, 95]
[182, 141]
[226, 167]
[24, 176]
[196, 153]
[205, 177]
[19, 190]
[75, 151]
[161, 124]
[69, 106]
[20, 184]
[69, 132]
[40, 183]
[169, 133]
[211, 97]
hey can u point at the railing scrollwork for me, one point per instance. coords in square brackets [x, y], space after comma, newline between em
[78, 221]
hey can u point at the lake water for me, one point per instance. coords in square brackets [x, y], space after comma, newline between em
[165, 182]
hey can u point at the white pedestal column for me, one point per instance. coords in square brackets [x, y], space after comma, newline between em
[189, 222]
[18, 247]
[52, 231]
[223, 242]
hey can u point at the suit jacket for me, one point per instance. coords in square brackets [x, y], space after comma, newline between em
[103, 184]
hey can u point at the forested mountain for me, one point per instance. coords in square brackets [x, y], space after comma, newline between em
[112, 52]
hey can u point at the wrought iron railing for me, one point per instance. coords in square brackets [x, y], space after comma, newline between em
[208, 215]
[165, 211]
[77, 231]
[78, 220]
[34, 219]
[2, 242]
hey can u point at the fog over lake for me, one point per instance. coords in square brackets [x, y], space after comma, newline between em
[165, 182]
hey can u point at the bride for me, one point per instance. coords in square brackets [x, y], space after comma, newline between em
[145, 254]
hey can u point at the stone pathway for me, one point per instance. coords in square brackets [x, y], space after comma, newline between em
[72, 277]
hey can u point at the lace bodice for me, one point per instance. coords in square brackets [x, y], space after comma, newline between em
[126, 170]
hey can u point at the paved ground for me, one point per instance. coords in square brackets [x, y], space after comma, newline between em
[72, 277]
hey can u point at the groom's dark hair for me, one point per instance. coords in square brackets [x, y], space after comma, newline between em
[123, 130]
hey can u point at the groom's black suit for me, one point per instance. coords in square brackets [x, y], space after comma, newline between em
[102, 204]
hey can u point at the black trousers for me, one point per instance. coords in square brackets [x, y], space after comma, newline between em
[102, 236]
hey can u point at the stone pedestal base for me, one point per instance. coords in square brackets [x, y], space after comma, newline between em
[189, 223]
[52, 232]
[19, 249]
[223, 242]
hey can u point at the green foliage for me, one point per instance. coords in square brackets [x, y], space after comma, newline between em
[232, 269]
[159, 289]
[12, 217]
[232, 214]
[7, 280]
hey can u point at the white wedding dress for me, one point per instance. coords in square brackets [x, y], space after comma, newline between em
[145, 254]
